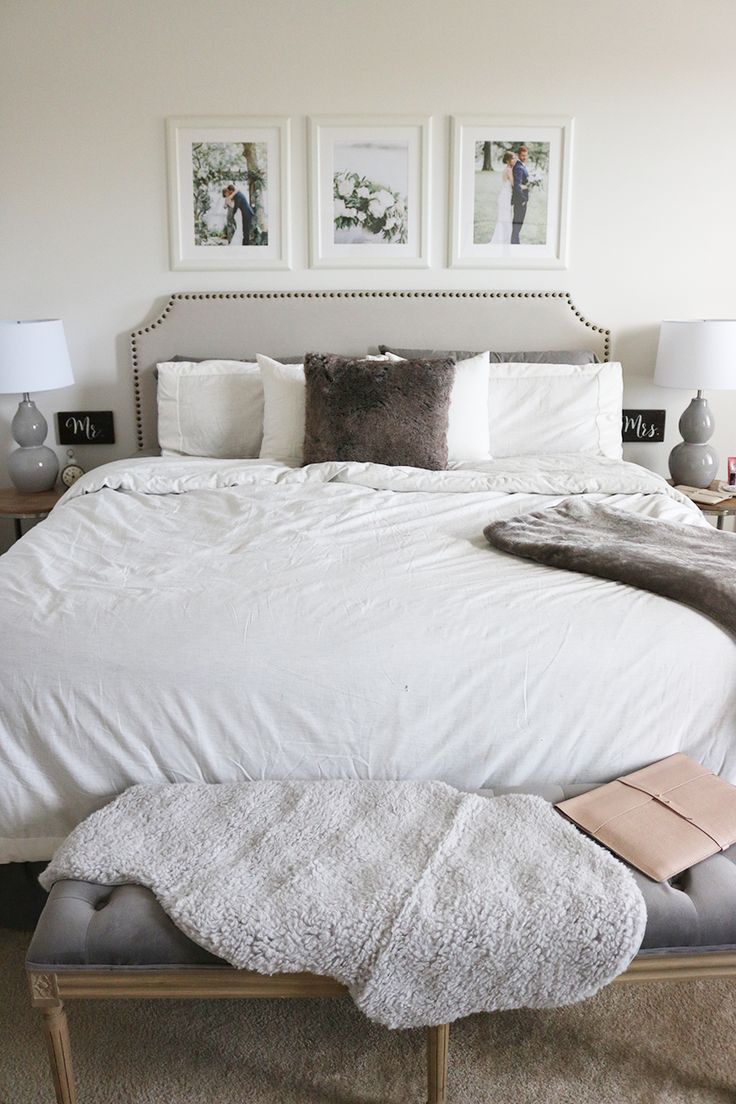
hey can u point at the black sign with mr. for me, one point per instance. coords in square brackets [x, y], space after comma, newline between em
[85, 427]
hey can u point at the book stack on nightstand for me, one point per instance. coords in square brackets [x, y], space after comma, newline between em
[17, 505]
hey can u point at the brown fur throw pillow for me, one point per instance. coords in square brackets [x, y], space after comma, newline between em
[380, 411]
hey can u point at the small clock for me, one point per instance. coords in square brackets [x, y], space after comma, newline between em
[71, 471]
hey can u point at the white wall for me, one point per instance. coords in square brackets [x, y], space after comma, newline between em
[85, 86]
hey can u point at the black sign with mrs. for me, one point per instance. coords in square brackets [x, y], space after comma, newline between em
[643, 425]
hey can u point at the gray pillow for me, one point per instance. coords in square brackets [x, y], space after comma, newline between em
[545, 356]
[377, 411]
[247, 360]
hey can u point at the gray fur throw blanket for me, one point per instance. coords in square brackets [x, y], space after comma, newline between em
[689, 563]
[428, 903]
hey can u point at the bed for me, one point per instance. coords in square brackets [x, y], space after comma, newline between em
[197, 619]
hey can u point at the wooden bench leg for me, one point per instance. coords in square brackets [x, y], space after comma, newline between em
[60, 1054]
[438, 1039]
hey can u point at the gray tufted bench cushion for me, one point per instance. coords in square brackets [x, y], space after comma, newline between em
[95, 941]
[92, 925]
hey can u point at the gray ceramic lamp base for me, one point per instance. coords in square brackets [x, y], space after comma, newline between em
[693, 465]
[33, 467]
[693, 462]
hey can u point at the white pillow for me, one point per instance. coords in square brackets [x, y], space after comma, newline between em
[283, 409]
[467, 428]
[283, 415]
[214, 408]
[555, 408]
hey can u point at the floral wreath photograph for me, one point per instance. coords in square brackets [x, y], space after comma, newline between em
[369, 191]
[511, 185]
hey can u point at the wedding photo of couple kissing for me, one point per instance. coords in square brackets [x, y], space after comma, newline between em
[230, 193]
[510, 193]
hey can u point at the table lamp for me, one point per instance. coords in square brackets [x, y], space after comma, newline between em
[697, 355]
[33, 357]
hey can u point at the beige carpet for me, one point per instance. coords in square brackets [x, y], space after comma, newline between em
[648, 1043]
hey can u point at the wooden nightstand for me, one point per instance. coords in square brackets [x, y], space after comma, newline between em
[15, 504]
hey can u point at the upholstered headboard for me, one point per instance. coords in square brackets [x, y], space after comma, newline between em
[240, 324]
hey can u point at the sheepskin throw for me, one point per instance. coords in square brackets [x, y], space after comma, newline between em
[383, 412]
[693, 564]
[428, 903]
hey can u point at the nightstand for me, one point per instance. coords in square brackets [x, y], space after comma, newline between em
[15, 504]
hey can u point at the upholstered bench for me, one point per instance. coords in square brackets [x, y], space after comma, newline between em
[96, 941]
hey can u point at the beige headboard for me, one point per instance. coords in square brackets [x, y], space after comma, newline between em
[236, 325]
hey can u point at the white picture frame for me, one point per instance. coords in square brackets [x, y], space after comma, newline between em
[203, 160]
[369, 191]
[481, 235]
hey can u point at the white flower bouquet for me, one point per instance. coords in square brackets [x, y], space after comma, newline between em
[536, 179]
[360, 203]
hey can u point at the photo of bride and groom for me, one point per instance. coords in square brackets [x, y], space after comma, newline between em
[238, 216]
[510, 193]
[230, 193]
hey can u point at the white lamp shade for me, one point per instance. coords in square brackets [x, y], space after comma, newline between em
[699, 355]
[33, 356]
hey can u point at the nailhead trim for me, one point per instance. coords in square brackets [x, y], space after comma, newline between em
[184, 296]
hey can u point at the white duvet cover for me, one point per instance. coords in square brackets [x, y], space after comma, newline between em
[201, 620]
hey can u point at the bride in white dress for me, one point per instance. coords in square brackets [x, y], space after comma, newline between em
[504, 220]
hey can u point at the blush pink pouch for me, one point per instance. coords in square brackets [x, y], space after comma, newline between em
[661, 819]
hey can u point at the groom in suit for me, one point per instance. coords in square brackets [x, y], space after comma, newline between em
[519, 193]
[240, 203]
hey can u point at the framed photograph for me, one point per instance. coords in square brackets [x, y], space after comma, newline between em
[732, 471]
[369, 191]
[510, 192]
[228, 192]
